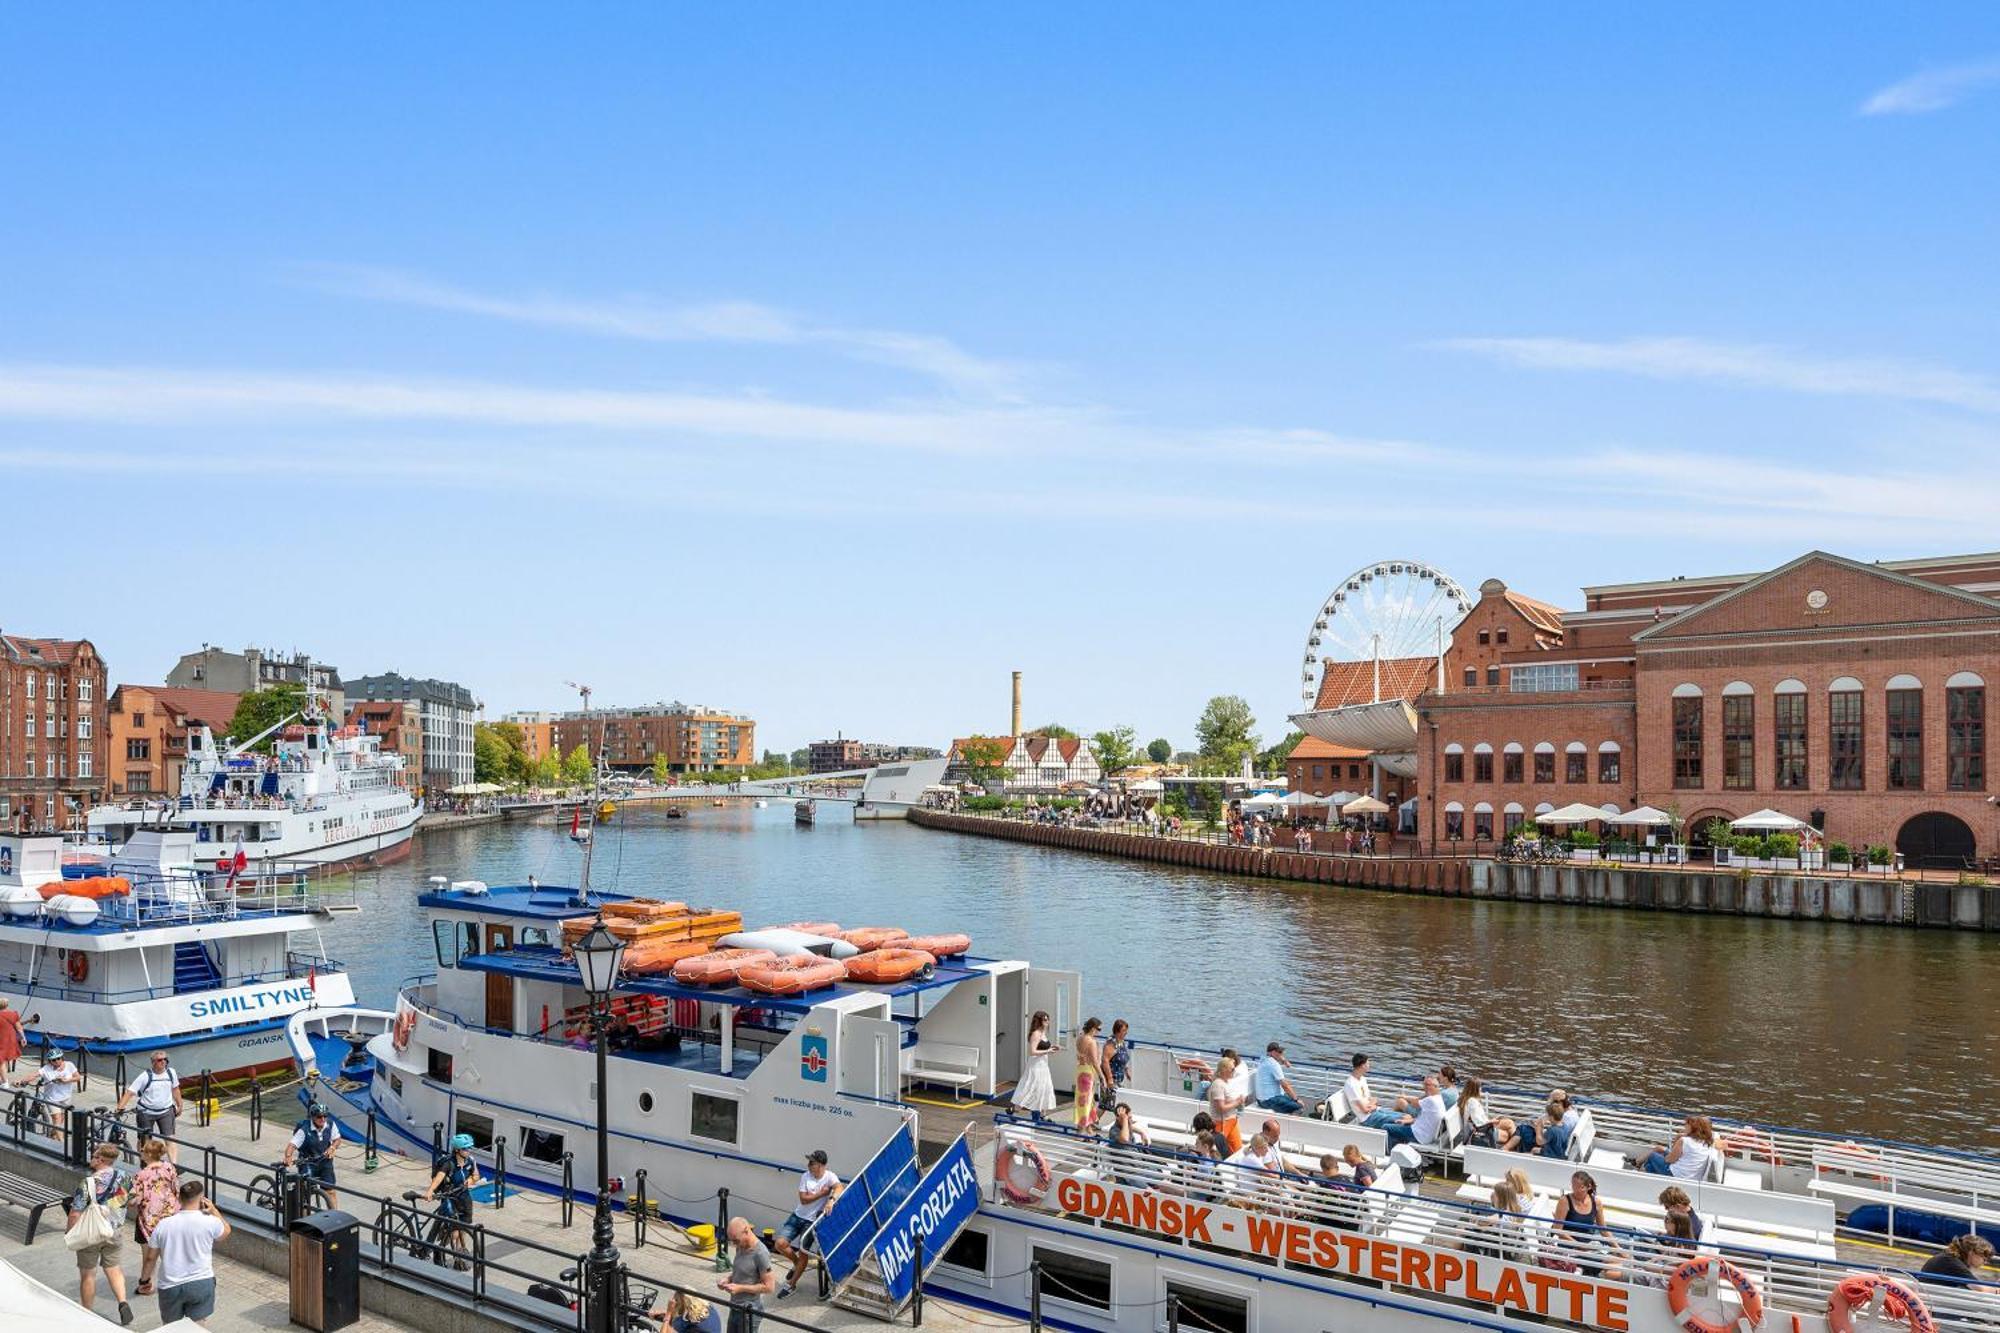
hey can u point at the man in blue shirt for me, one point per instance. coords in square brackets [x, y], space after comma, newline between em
[1272, 1085]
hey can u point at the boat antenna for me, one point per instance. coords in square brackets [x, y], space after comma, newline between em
[587, 834]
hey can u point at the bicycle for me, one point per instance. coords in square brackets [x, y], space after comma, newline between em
[29, 1114]
[424, 1235]
[263, 1192]
[639, 1301]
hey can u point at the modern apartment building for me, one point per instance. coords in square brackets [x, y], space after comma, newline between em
[446, 714]
[693, 738]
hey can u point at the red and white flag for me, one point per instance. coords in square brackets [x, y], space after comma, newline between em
[237, 861]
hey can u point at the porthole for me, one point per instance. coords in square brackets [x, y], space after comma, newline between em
[645, 1103]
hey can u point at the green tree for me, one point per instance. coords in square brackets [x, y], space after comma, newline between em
[1159, 751]
[1274, 758]
[577, 768]
[1056, 730]
[777, 764]
[264, 708]
[983, 757]
[1116, 749]
[663, 771]
[1226, 729]
[548, 770]
[801, 760]
[496, 754]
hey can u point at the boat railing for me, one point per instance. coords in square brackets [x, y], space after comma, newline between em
[298, 967]
[1962, 1179]
[187, 897]
[1637, 1259]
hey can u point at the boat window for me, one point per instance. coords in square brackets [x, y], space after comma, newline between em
[1208, 1309]
[396, 1084]
[480, 1127]
[443, 939]
[541, 1145]
[711, 1117]
[1073, 1278]
[971, 1251]
[535, 935]
[440, 1065]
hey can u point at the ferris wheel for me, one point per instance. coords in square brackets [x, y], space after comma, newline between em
[1387, 610]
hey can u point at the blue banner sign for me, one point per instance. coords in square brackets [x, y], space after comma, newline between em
[941, 1204]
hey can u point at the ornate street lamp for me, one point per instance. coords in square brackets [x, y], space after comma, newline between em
[599, 956]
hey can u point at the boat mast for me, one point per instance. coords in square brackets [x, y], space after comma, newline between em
[589, 834]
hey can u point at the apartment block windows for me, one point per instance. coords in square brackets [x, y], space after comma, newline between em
[1788, 736]
[1904, 726]
[1739, 737]
[1687, 736]
[1965, 732]
[1845, 765]
[1545, 765]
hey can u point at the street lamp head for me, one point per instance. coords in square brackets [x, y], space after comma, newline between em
[599, 955]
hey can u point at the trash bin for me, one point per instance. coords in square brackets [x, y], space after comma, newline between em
[326, 1270]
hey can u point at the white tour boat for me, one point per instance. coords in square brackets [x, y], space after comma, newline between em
[723, 1086]
[325, 796]
[149, 951]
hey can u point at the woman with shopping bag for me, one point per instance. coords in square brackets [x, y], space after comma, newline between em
[96, 1232]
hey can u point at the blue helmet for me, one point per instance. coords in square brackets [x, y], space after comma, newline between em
[461, 1143]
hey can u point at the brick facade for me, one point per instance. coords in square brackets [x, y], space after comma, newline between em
[55, 732]
[149, 734]
[693, 739]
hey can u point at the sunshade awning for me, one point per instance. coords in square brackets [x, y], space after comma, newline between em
[1769, 821]
[1577, 813]
[1643, 817]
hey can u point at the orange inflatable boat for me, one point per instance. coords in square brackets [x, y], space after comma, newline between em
[719, 967]
[875, 937]
[826, 928]
[939, 947]
[887, 965]
[647, 956]
[100, 886]
[792, 976]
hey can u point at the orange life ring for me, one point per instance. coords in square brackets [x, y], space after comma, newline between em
[1194, 1064]
[77, 966]
[1017, 1153]
[826, 929]
[890, 965]
[1746, 1292]
[1898, 1299]
[1751, 1143]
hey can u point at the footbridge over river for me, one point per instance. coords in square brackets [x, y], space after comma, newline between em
[889, 791]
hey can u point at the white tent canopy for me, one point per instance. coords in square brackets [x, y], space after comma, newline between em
[476, 789]
[1148, 787]
[1298, 798]
[1263, 800]
[1577, 813]
[1770, 821]
[1645, 816]
[1365, 805]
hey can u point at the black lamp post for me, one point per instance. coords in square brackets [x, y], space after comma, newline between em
[599, 955]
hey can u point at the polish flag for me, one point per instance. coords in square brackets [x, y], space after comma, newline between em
[237, 861]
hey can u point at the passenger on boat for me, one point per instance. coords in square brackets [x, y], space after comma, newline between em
[1272, 1084]
[1502, 1234]
[1448, 1085]
[1358, 1166]
[1223, 1103]
[1195, 1176]
[1036, 1092]
[1260, 1154]
[1118, 1056]
[1125, 1132]
[1675, 1244]
[620, 1034]
[1089, 1056]
[1423, 1126]
[1691, 1155]
[1579, 1218]
[1958, 1263]
[797, 1239]
[1676, 1202]
[1361, 1101]
[1478, 1121]
[1242, 1077]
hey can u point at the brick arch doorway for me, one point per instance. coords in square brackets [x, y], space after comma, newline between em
[1695, 830]
[1935, 840]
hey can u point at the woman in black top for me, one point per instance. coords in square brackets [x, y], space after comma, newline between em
[1959, 1261]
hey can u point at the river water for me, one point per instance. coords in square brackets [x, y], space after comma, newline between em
[1857, 1030]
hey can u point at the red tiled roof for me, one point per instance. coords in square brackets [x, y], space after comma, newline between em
[1068, 746]
[1542, 615]
[1344, 683]
[214, 708]
[1312, 747]
[55, 652]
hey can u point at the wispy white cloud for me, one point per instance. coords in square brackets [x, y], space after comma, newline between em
[1932, 89]
[742, 322]
[1752, 364]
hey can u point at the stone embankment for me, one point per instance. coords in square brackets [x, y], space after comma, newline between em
[1868, 900]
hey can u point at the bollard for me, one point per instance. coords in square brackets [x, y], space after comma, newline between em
[437, 1140]
[639, 1205]
[917, 1282]
[1035, 1297]
[1173, 1313]
[722, 1230]
[370, 1158]
[83, 1068]
[256, 1109]
[123, 1082]
[207, 1098]
[568, 1189]
[499, 1172]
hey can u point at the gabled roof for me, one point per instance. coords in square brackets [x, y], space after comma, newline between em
[212, 708]
[1542, 615]
[48, 652]
[1344, 683]
[1972, 605]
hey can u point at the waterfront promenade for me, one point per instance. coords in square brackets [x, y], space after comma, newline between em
[1909, 900]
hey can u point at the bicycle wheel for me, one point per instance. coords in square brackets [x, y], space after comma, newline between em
[262, 1193]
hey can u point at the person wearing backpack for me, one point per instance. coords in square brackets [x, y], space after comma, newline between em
[311, 1148]
[97, 1228]
[157, 1094]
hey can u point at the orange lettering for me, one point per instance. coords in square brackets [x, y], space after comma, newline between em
[1069, 1195]
[1146, 1212]
[1116, 1209]
[1417, 1270]
[1094, 1200]
[1473, 1291]
[1266, 1236]
[1577, 1289]
[1356, 1247]
[1507, 1291]
[1611, 1310]
[1382, 1261]
[1326, 1248]
[1450, 1268]
[1541, 1282]
[1298, 1245]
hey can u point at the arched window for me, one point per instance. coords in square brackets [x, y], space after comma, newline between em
[1610, 761]
[1965, 732]
[1545, 762]
[1454, 820]
[1454, 762]
[1576, 762]
[1739, 736]
[1845, 757]
[1511, 762]
[1482, 820]
[1513, 816]
[1544, 808]
[1687, 736]
[1482, 762]
[1903, 732]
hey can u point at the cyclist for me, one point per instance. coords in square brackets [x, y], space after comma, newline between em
[456, 1175]
[55, 1086]
[311, 1149]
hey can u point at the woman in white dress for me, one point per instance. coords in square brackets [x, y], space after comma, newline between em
[1036, 1092]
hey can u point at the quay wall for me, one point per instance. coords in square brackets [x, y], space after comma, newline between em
[1862, 900]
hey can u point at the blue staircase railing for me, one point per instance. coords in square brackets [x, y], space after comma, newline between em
[194, 970]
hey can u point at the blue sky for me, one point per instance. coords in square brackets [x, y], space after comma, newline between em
[831, 363]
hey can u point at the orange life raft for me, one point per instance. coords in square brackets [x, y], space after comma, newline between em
[650, 955]
[826, 928]
[880, 965]
[100, 886]
[875, 937]
[939, 947]
[720, 966]
[792, 976]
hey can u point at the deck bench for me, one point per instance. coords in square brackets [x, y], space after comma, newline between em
[28, 1194]
[943, 1064]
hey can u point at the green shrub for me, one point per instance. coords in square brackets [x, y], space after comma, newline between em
[983, 803]
[1839, 851]
[1782, 846]
[1583, 837]
[1880, 855]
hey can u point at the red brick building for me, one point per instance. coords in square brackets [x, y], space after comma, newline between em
[149, 734]
[54, 731]
[1852, 695]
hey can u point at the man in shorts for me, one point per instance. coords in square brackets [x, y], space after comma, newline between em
[311, 1149]
[186, 1242]
[797, 1240]
[157, 1094]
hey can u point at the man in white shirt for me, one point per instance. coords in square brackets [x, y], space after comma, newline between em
[55, 1086]
[797, 1240]
[1424, 1125]
[1361, 1101]
[157, 1093]
[186, 1242]
[1239, 1082]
